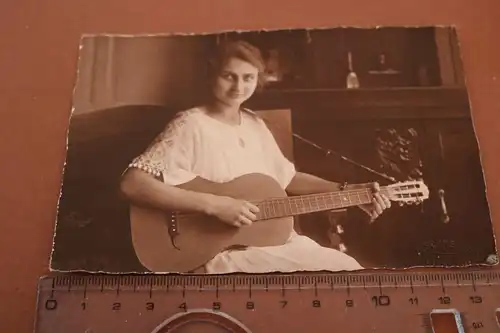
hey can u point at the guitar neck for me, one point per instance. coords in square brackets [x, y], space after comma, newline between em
[310, 203]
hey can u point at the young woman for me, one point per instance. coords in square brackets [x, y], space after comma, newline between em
[220, 141]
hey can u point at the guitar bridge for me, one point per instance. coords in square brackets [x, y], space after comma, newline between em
[173, 230]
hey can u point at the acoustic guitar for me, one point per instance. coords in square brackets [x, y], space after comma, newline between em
[180, 242]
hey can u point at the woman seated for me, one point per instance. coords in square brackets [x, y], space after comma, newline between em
[220, 141]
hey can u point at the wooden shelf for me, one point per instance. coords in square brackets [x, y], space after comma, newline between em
[411, 102]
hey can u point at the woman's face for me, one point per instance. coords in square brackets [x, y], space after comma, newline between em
[236, 82]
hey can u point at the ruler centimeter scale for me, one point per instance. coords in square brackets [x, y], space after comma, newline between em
[443, 301]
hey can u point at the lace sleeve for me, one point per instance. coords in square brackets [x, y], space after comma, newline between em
[170, 156]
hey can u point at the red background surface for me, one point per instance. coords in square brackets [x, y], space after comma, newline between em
[38, 56]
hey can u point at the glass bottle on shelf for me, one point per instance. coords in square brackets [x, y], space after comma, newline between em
[352, 78]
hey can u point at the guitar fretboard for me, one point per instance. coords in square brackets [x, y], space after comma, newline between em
[304, 204]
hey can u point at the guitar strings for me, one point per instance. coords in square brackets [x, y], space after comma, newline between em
[282, 201]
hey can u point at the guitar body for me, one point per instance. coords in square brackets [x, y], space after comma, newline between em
[182, 242]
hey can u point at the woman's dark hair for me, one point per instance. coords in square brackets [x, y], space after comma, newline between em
[238, 49]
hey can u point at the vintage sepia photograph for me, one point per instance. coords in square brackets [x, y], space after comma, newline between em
[336, 149]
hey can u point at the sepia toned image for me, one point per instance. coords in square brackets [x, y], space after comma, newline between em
[335, 149]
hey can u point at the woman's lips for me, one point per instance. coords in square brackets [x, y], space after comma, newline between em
[236, 95]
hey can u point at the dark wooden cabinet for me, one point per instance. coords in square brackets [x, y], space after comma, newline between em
[432, 129]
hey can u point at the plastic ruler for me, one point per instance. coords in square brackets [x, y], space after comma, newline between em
[441, 301]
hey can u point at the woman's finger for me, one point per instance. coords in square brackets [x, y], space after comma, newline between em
[380, 202]
[254, 209]
[377, 207]
[386, 201]
[245, 221]
[249, 215]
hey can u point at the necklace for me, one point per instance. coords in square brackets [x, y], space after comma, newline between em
[242, 142]
[238, 131]
[235, 128]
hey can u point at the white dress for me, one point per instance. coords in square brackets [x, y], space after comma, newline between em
[195, 144]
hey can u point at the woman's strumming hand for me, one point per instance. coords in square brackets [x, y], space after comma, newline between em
[232, 211]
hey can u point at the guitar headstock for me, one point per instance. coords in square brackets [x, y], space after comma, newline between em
[408, 192]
